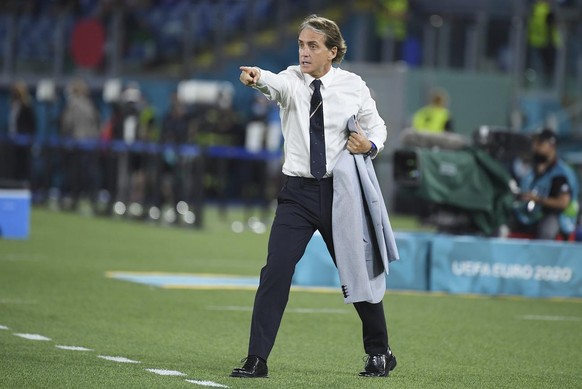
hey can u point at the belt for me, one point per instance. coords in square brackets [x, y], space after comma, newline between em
[309, 180]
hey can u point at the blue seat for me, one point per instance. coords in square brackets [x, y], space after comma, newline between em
[234, 18]
[264, 9]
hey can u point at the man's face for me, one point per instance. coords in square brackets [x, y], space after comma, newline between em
[314, 57]
[543, 148]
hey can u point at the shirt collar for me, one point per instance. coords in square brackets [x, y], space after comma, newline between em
[326, 80]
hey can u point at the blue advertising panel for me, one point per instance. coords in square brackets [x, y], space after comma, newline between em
[14, 213]
[506, 266]
[411, 271]
[316, 268]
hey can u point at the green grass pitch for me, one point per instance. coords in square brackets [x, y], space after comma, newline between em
[54, 284]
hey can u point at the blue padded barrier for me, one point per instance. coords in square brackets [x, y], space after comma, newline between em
[14, 213]
[316, 268]
[506, 267]
[465, 265]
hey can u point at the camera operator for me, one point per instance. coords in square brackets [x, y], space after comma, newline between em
[548, 200]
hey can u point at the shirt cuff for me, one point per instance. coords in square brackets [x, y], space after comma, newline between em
[264, 77]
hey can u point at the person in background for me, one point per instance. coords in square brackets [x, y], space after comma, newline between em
[175, 124]
[137, 166]
[548, 206]
[253, 176]
[111, 131]
[21, 121]
[81, 123]
[80, 120]
[543, 38]
[391, 28]
[434, 117]
[175, 132]
[316, 101]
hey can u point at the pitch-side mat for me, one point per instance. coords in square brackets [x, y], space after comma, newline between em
[202, 281]
[117, 359]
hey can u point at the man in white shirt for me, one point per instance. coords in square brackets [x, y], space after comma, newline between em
[316, 101]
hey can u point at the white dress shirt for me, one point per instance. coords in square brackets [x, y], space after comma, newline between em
[343, 93]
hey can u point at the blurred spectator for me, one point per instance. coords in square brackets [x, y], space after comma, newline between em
[137, 166]
[217, 124]
[129, 161]
[253, 177]
[21, 121]
[434, 117]
[112, 130]
[149, 130]
[175, 123]
[80, 120]
[543, 38]
[80, 123]
[175, 129]
[113, 127]
[391, 28]
[548, 205]
[256, 128]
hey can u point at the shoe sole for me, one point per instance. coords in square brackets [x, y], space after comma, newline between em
[248, 376]
[240, 374]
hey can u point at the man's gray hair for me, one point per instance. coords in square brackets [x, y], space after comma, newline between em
[333, 35]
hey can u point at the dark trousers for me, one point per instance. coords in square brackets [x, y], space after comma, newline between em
[304, 205]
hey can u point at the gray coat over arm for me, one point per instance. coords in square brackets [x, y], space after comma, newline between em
[363, 240]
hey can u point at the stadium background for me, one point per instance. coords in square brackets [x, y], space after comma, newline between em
[477, 51]
[56, 284]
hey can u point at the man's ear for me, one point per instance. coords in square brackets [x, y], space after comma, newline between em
[332, 53]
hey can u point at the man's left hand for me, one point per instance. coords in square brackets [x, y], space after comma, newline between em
[358, 143]
[529, 196]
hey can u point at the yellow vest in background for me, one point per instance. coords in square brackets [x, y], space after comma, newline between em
[539, 32]
[388, 26]
[431, 119]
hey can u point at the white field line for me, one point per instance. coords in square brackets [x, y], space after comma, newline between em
[117, 359]
[167, 372]
[33, 336]
[292, 310]
[73, 348]
[207, 383]
[550, 318]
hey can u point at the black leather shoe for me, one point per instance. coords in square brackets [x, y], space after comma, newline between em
[379, 365]
[254, 367]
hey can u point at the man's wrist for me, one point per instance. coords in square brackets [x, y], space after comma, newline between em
[259, 73]
[373, 150]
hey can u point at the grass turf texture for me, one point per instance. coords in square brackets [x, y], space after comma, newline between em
[54, 284]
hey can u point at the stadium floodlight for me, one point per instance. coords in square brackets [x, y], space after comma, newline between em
[112, 90]
[46, 90]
